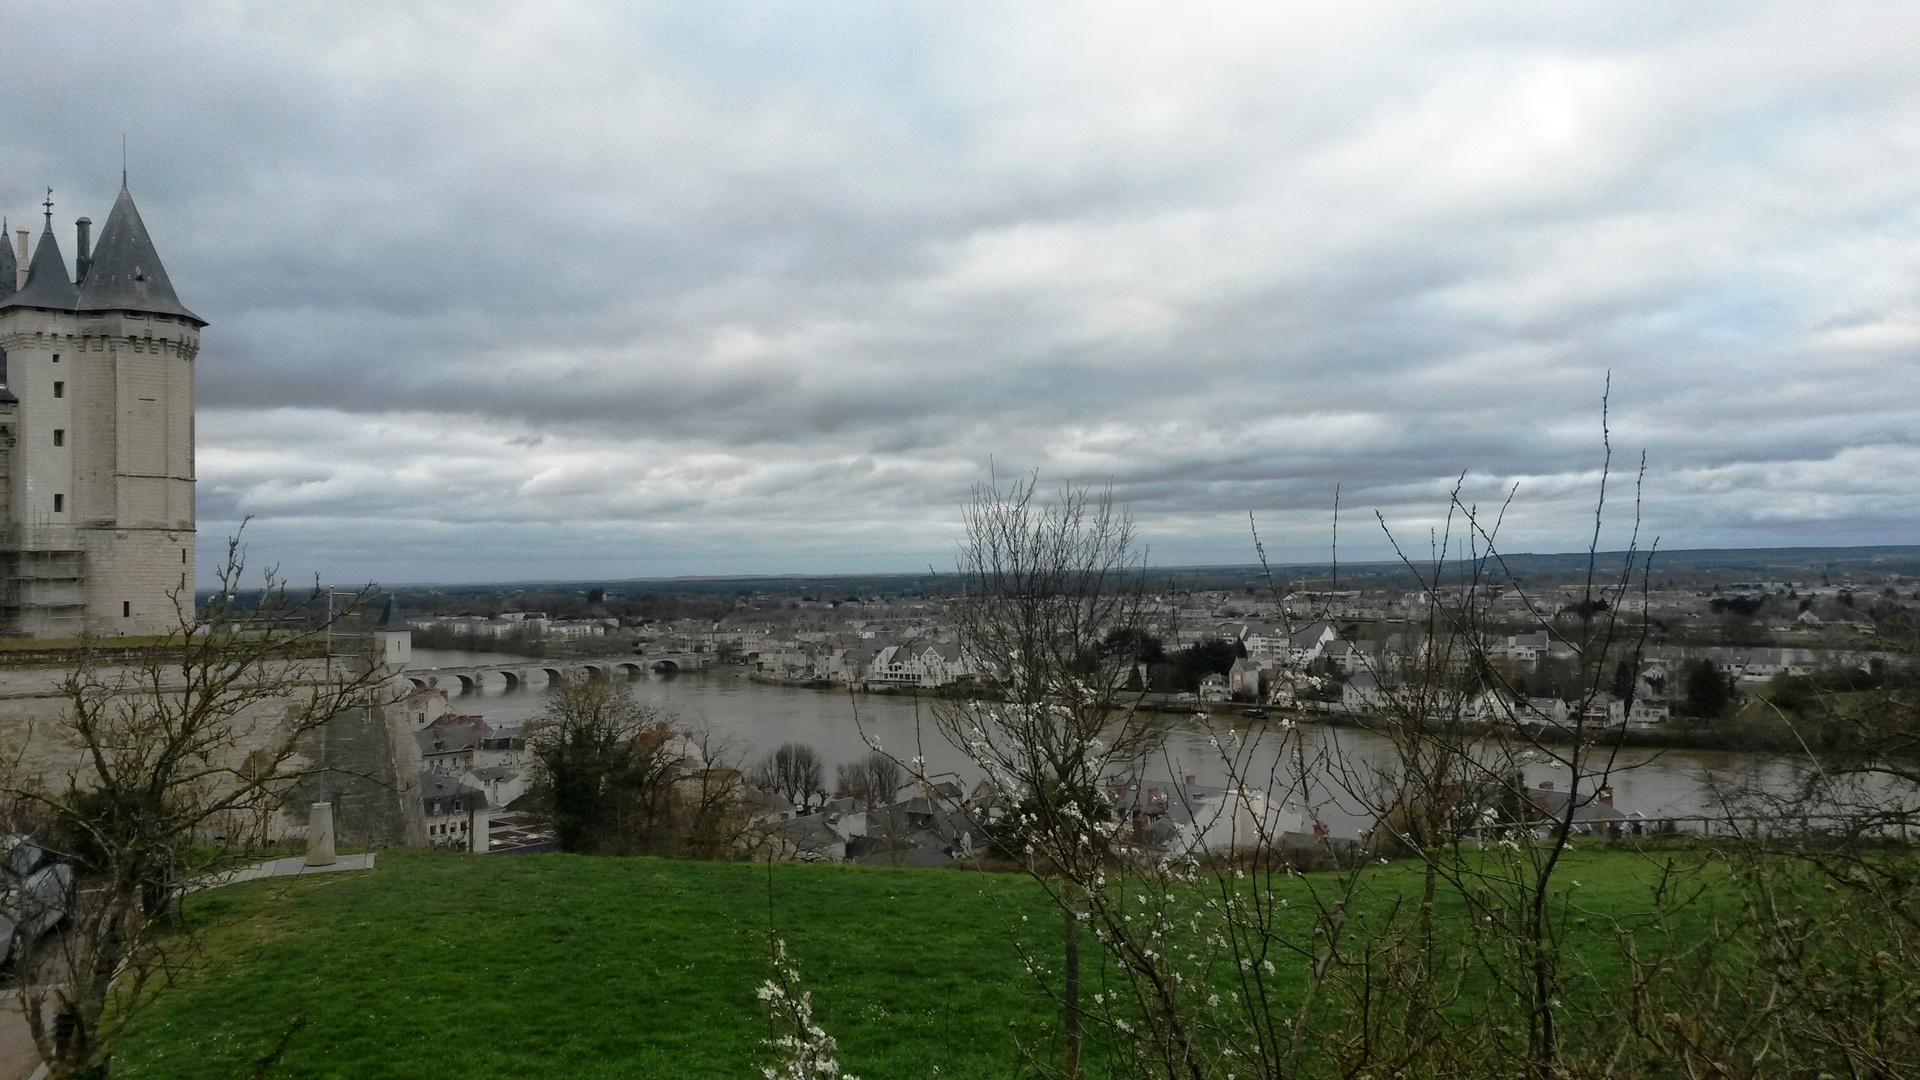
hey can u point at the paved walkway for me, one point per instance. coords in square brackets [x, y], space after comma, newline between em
[287, 867]
[18, 1058]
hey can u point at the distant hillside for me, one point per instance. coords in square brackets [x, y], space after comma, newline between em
[1720, 565]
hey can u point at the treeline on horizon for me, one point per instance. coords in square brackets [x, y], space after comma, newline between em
[669, 599]
[661, 599]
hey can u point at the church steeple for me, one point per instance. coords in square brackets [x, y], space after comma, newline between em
[125, 274]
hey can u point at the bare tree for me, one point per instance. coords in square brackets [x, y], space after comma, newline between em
[1794, 985]
[1454, 796]
[1217, 975]
[1048, 586]
[178, 747]
[793, 772]
[874, 780]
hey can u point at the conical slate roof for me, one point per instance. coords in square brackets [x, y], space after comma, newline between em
[391, 617]
[9, 266]
[48, 285]
[126, 274]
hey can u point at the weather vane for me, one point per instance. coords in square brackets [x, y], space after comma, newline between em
[49, 205]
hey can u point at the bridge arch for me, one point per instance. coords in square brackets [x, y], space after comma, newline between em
[467, 682]
[666, 666]
[554, 675]
[632, 669]
[513, 677]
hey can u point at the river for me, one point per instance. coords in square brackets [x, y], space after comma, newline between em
[755, 717]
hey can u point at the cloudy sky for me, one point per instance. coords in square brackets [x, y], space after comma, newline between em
[512, 291]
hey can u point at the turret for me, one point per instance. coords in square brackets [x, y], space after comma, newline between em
[96, 433]
[47, 285]
[125, 272]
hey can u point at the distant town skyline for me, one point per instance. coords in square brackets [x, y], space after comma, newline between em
[600, 291]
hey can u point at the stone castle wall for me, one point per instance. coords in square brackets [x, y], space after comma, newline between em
[365, 761]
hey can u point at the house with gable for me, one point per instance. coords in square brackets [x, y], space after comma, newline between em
[1247, 677]
[1306, 645]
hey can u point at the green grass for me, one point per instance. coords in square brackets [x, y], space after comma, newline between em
[583, 967]
[604, 967]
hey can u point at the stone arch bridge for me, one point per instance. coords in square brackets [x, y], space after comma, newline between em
[516, 675]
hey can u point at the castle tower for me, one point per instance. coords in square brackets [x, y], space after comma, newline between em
[96, 436]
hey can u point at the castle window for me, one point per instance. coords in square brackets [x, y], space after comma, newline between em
[59, 436]
[56, 358]
[126, 609]
[59, 389]
[59, 503]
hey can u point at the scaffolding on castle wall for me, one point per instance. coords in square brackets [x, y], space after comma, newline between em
[43, 581]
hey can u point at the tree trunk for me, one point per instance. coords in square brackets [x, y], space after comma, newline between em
[1070, 1003]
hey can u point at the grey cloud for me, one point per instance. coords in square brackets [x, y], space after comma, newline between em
[732, 287]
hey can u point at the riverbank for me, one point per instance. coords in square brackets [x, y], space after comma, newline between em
[1740, 735]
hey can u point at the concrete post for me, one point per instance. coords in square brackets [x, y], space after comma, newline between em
[320, 835]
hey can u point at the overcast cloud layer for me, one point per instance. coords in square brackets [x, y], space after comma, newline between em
[564, 290]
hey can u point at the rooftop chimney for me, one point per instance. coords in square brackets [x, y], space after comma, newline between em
[1606, 795]
[21, 258]
[81, 261]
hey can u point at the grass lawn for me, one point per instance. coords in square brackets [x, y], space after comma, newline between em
[559, 965]
[523, 966]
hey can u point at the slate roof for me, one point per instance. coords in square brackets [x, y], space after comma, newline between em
[48, 285]
[391, 617]
[434, 786]
[9, 265]
[126, 274]
[453, 737]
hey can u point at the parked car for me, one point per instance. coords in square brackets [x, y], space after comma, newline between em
[35, 890]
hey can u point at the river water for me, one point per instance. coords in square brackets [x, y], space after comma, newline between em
[755, 717]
